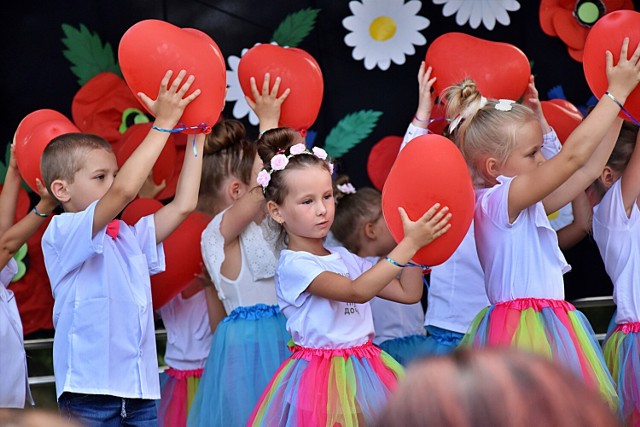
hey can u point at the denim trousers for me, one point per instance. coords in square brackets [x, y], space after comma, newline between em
[96, 410]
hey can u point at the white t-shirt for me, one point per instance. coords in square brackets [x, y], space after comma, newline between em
[618, 238]
[255, 283]
[188, 331]
[317, 322]
[14, 382]
[104, 341]
[519, 260]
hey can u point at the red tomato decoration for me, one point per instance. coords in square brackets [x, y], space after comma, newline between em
[429, 170]
[500, 70]
[164, 167]
[33, 134]
[297, 70]
[607, 34]
[151, 47]
[381, 158]
[562, 116]
[170, 190]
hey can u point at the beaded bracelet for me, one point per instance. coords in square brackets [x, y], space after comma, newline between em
[41, 215]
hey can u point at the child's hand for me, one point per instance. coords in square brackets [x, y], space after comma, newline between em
[13, 164]
[532, 100]
[433, 224]
[425, 100]
[47, 202]
[625, 75]
[170, 104]
[267, 104]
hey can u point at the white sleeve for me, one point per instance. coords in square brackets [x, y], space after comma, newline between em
[550, 144]
[412, 132]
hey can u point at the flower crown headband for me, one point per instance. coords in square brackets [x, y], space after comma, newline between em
[281, 160]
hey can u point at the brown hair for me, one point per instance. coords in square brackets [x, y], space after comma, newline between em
[353, 211]
[483, 130]
[65, 155]
[494, 387]
[621, 154]
[227, 152]
[280, 140]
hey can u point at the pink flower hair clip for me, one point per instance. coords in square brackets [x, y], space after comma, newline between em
[281, 160]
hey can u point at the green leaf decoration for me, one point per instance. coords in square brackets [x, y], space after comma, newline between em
[295, 27]
[22, 267]
[4, 166]
[87, 54]
[350, 131]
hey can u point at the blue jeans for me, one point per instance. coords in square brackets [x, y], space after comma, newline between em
[97, 410]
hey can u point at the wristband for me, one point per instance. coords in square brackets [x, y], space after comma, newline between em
[424, 268]
[624, 110]
[41, 215]
[421, 120]
[613, 98]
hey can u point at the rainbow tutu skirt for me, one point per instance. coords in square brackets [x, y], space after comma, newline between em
[177, 390]
[328, 387]
[622, 354]
[553, 328]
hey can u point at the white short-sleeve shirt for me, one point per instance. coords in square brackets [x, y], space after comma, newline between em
[519, 260]
[104, 339]
[618, 239]
[14, 382]
[317, 322]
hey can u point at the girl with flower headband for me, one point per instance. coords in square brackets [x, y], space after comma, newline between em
[335, 375]
[239, 251]
[360, 227]
[517, 248]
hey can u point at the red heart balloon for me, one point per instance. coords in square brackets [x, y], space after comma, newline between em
[500, 70]
[562, 116]
[429, 170]
[164, 167]
[151, 47]
[33, 134]
[607, 35]
[381, 158]
[297, 70]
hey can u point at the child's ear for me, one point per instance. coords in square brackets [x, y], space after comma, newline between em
[490, 168]
[274, 212]
[235, 189]
[60, 190]
[369, 230]
[607, 177]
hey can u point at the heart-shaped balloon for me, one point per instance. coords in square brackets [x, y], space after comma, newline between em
[164, 167]
[297, 70]
[33, 134]
[607, 35]
[381, 158]
[151, 47]
[562, 116]
[500, 70]
[430, 169]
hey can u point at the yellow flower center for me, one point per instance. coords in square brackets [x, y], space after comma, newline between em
[553, 215]
[382, 28]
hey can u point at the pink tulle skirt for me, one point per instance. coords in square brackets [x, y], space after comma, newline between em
[328, 387]
[622, 354]
[177, 389]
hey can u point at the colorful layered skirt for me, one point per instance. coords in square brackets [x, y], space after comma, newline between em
[247, 348]
[328, 387]
[622, 354]
[553, 328]
[177, 390]
[406, 349]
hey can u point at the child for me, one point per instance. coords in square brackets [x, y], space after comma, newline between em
[516, 189]
[615, 229]
[360, 226]
[104, 351]
[14, 387]
[335, 375]
[251, 341]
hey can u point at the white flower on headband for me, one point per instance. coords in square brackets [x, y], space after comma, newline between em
[320, 153]
[346, 188]
[505, 104]
[279, 162]
[330, 167]
[297, 149]
[263, 178]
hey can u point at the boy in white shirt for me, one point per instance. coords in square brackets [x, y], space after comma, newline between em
[104, 351]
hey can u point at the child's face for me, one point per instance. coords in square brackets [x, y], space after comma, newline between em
[308, 209]
[93, 180]
[385, 241]
[526, 156]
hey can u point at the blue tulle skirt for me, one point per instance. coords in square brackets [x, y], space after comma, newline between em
[405, 349]
[442, 341]
[247, 349]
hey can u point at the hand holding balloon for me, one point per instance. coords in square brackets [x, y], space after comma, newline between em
[425, 99]
[433, 224]
[531, 100]
[267, 103]
[625, 75]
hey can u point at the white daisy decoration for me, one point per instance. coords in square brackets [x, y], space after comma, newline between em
[382, 31]
[234, 91]
[476, 12]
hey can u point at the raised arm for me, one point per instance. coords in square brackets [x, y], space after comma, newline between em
[9, 194]
[167, 109]
[420, 121]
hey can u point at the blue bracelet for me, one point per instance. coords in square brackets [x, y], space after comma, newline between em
[624, 110]
[41, 215]
[424, 268]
